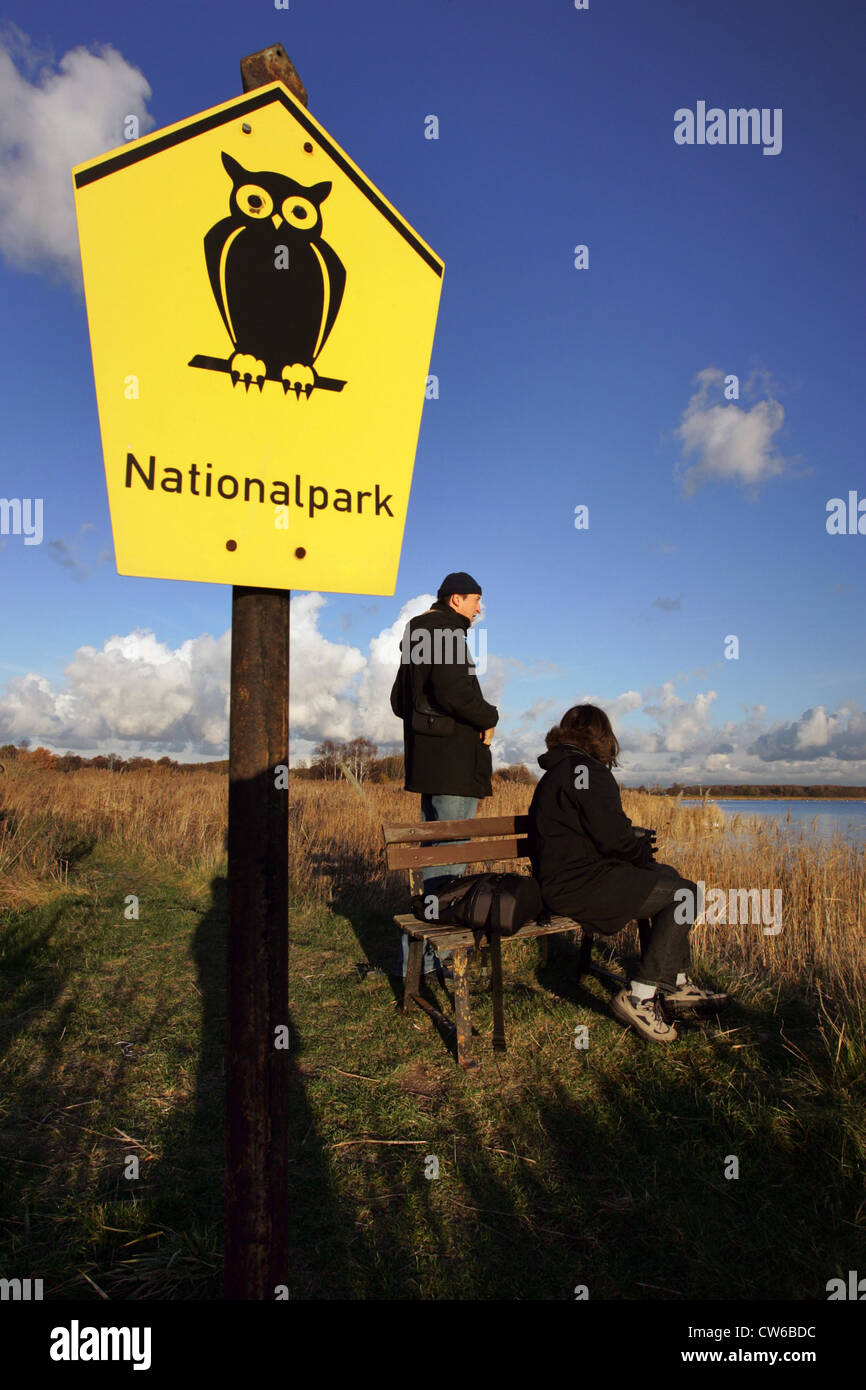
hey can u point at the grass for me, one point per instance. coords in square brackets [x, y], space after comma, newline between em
[558, 1166]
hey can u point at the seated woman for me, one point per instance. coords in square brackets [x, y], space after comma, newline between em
[592, 865]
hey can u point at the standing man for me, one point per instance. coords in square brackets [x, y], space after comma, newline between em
[447, 724]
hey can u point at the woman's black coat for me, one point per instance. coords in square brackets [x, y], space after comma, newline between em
[588, 860]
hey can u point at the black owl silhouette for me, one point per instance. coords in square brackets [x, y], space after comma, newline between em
[278, 285]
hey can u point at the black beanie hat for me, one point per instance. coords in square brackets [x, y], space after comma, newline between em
[459, 583]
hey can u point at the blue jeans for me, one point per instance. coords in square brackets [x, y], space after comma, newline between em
[444, 807]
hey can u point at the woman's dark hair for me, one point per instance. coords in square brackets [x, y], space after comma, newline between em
[587, 727]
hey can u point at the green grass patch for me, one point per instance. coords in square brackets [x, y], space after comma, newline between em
[557, 1166]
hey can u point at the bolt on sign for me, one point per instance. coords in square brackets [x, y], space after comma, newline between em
[261, 322]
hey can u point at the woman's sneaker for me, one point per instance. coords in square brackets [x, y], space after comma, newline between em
[644, 1015]
[690, 996]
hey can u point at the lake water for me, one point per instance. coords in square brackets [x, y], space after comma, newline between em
[818, 818]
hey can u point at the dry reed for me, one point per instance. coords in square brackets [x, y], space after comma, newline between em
[50, 819]
[337, 840]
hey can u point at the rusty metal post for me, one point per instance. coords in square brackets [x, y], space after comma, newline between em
[257, 1067]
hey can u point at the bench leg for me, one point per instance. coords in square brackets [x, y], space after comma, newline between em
[543, 951]
[584, 960]
[496, 982]
[461, 1010]
[412, 982]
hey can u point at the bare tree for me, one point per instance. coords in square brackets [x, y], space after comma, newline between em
[359, 756]
[515, 772]
[328, 754]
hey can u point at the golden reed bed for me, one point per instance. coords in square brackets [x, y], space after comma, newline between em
[176, 822]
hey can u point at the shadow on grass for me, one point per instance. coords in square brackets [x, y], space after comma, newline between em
[638, 1172]
[379, 938]
[191, 1174]
[371, 919]
[31, 982]
[69, 1211]
[556, 1169]
[611, 1171]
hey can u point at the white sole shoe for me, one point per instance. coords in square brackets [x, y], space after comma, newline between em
[644, 1015]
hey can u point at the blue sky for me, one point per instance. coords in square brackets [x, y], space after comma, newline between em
[558, 386]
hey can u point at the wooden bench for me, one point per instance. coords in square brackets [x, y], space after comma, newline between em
[405, 849]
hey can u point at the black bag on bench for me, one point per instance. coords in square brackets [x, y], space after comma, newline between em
[498, 902]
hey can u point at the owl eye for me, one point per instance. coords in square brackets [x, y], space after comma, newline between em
[255, 201]
[300, 212]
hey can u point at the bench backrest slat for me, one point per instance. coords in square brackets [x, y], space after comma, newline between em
[455, 829]
[465, 852]
[407, 846]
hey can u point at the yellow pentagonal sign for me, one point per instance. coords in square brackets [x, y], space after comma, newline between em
[261, 322]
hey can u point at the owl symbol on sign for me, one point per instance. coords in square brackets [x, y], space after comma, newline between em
[278, 285]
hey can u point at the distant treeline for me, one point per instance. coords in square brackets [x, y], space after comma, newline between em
[733, 791]
[332, 760]
[111, 762]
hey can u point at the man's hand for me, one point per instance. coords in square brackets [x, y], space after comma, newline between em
[486, 735]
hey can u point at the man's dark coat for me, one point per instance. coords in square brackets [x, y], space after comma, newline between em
[456, 761]
[584, 853]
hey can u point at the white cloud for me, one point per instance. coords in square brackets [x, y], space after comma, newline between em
[813, 729]
[524, 743]
[623, 705]
[834, 738]
[50, 120]
[686, 747]
[666, 738]
[718, 762]
[321, 672]
[682, 724]
[137, 694]
[728, 442]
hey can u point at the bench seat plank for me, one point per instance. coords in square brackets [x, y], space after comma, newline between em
[451, 937]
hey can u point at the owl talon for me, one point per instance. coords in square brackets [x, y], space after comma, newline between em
[297, 377]
[244, 367]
